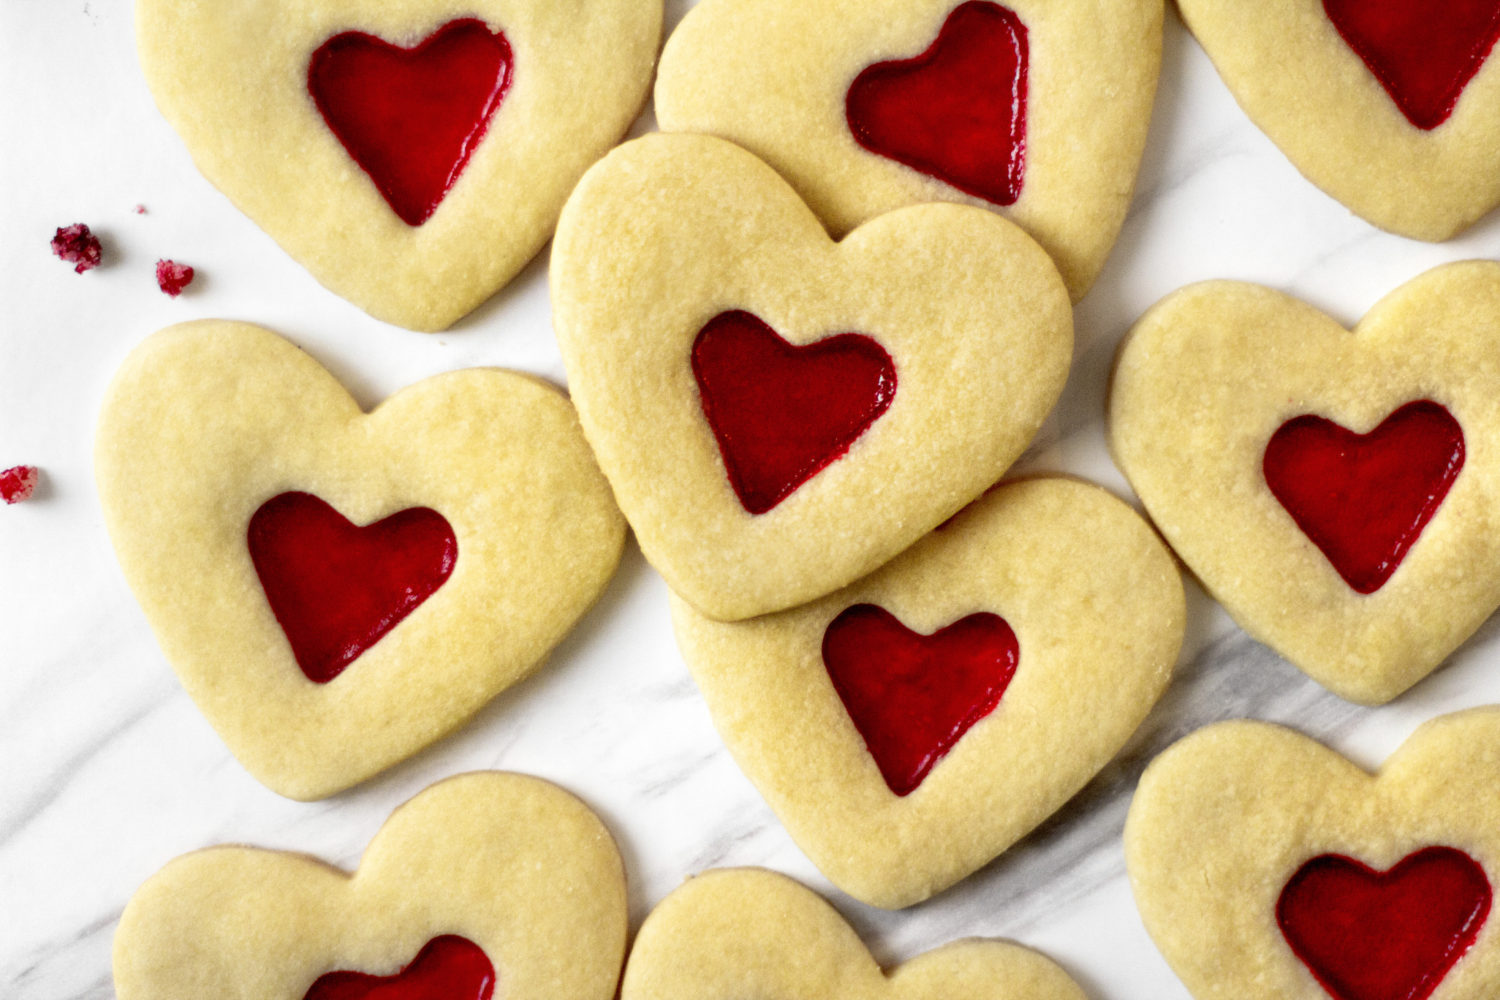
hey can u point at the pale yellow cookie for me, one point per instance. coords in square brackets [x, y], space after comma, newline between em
[207, 422]
[735, 933]
[1221, 844]
[1289, 66]
[234, 81]
[503, 872]
[1212, 373]
[962, 339]
[775, 75]
[1014, 651]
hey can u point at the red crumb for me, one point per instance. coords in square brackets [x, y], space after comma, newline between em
[18, 484]
[140, 210]
[173, 277]
[76, 245]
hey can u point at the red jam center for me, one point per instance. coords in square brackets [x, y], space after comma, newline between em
[780, 413]
[411, 118]
[335, 587]
[956, 112]
[1364, 499]
[1423, 52]
[1369, 935]
[911, 696]
[447, 968]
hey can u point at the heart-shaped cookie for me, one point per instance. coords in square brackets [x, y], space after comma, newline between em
[338, 589]
[1036, 108]
[1267, 867]
[1336, 492]
[1391, 107]
[911, 727]
[779, 414]
[744, 932]
[487, 884]
[412, 154]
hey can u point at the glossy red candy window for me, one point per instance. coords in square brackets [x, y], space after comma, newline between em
[912, 697]
[337, 588]
[447, 968]
[780, 413]
[1363, 499]
[412, 117]
[956, 112]
[1394, 935]
[1424, 52]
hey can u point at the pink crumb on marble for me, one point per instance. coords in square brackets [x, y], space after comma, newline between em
[18, 484]
[78, 246]
[173, 277]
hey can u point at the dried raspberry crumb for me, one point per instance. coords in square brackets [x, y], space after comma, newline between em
[140, 210]
[76, 245]
[173, 277]
[18, 484]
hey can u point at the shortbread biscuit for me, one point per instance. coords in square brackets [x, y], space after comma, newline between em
[914, 725]
[337, 589]
[779, 414]
[1337, 492]
[412, 154]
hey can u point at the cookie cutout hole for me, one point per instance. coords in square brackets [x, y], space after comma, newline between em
[1364, 499]
[336, 587]
[447, 968]
[957, 112]
[1393, 935]
[1424, 54]
[780, 413]
[912, 697]
[412, 117]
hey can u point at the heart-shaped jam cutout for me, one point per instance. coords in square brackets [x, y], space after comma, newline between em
[956, 112]
[335, 587]
[1369, 935]
[781, 413]
[912, 696]
[411, 118]
[1423, 53]
[1364, 499]
[447, 968]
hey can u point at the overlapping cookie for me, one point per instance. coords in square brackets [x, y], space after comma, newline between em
[911, 727]
[1037, 108]
[1390, 106]
[338, 589]
[485, 885]
[1337, 492]
[412, 154]
[1267, 867]
[749, 933]
[779, 414]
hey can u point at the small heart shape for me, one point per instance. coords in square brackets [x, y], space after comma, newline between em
[448, 967]
[1393, 935]
[782, 413]
[913, 696]
[335, 587]
[1364, 499]
[957, 111]
[1423, 54]
[412, 117]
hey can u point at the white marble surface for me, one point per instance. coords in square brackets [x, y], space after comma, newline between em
[106, 769]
